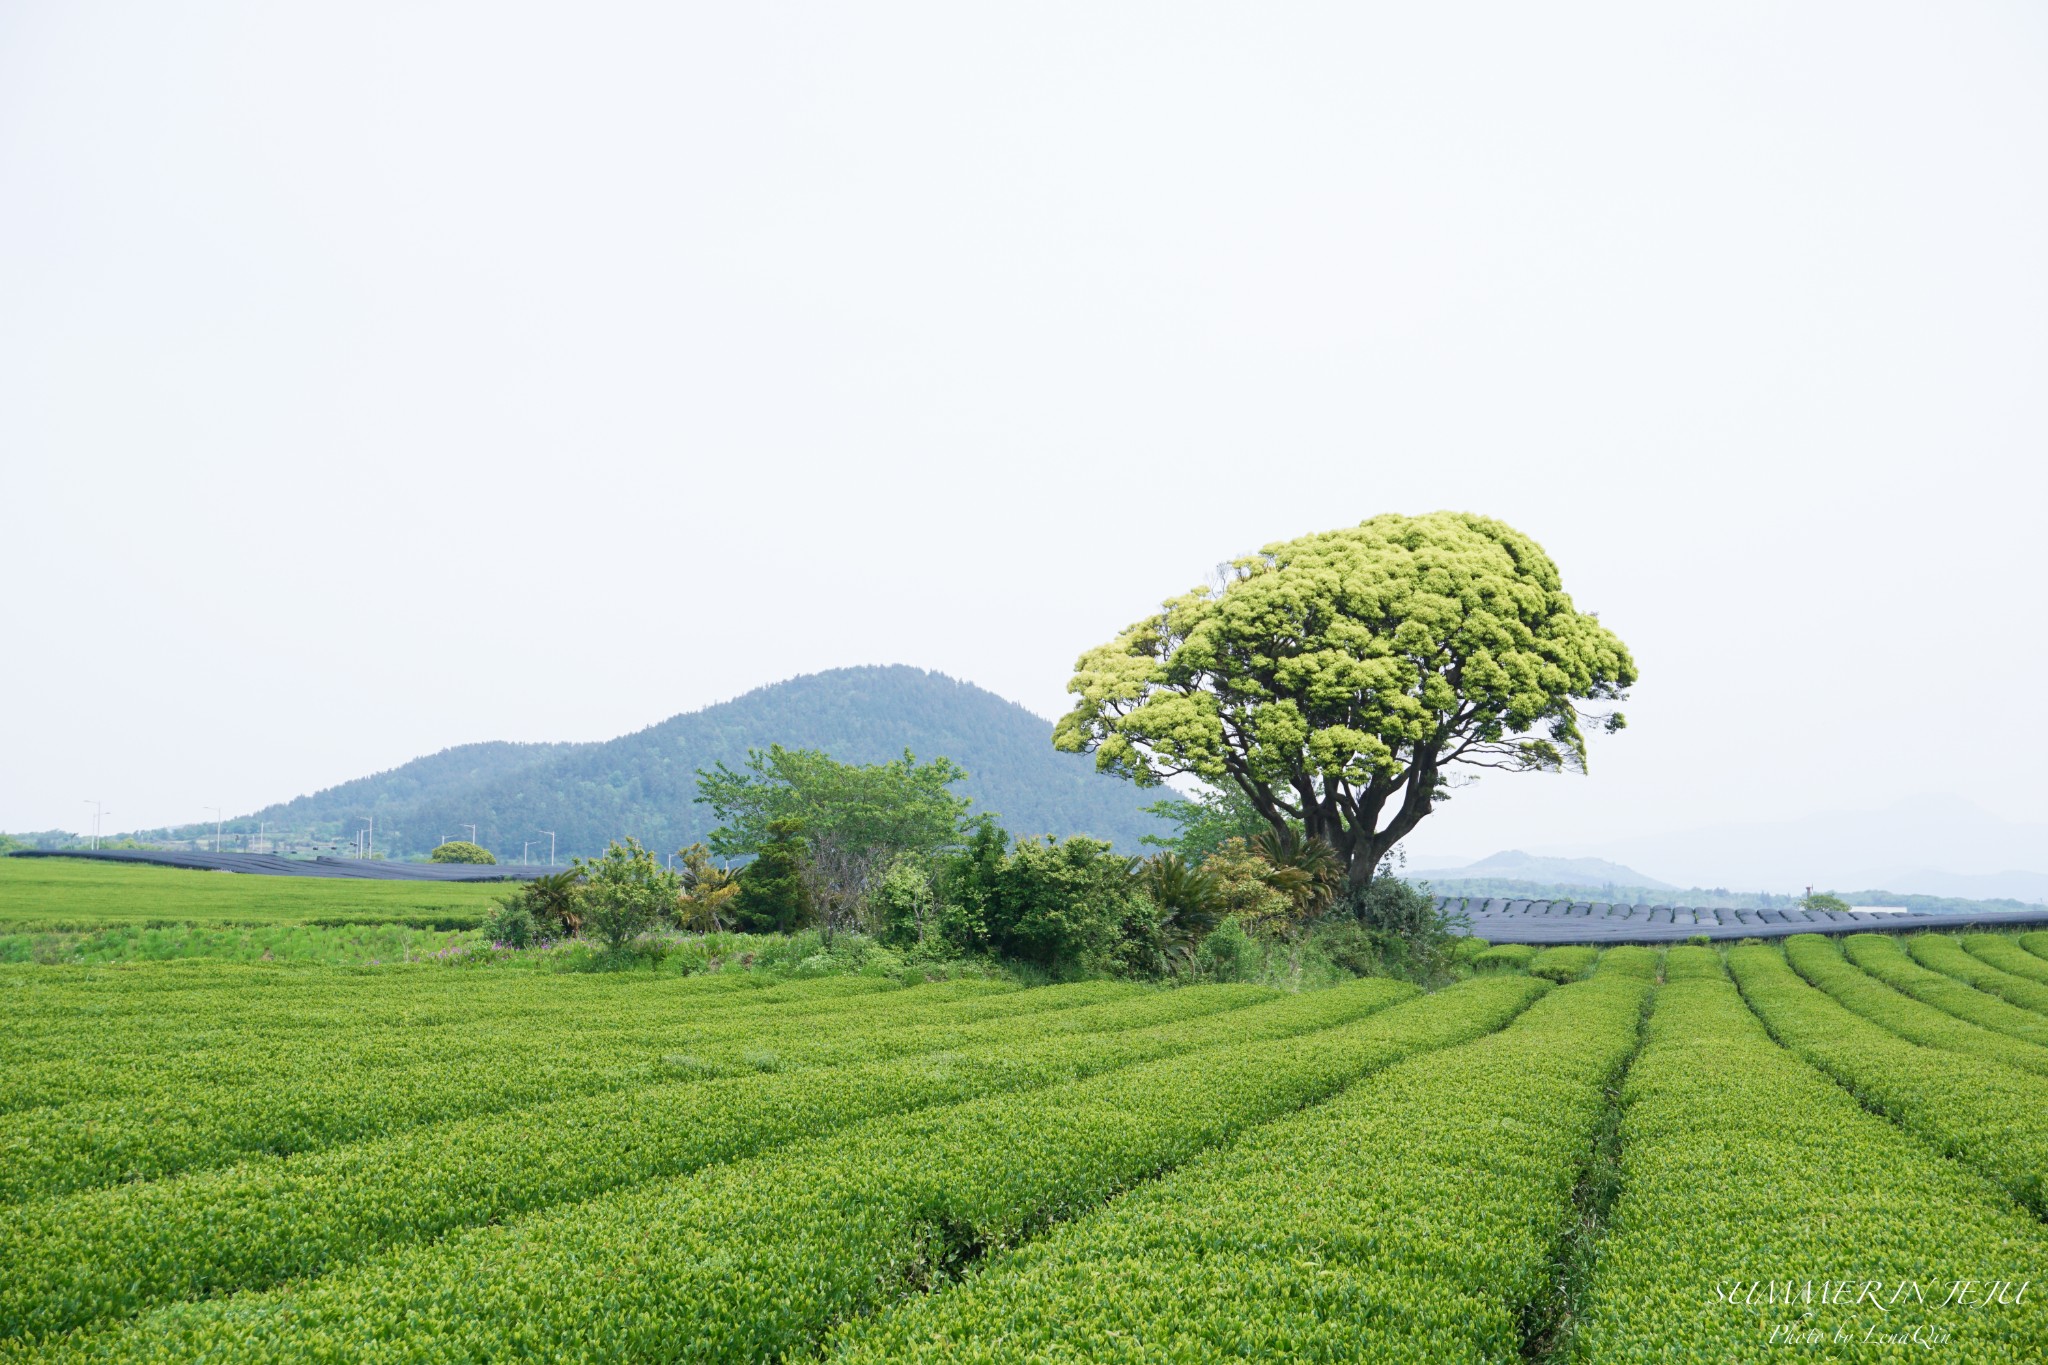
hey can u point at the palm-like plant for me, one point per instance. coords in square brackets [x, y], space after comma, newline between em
[1190, 905]
[706, 889]
[553, 900]
[1306, 870]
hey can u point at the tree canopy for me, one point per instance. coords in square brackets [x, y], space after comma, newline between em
[895, 807]
[461, 851]
[1339, 679]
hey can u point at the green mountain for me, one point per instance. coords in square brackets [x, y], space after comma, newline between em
[644, 784]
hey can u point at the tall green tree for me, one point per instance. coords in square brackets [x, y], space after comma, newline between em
[774, 896]
[1205, 820]
[1339, 680]
[901, 806]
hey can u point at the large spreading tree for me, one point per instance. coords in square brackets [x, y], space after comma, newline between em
[1339, 680]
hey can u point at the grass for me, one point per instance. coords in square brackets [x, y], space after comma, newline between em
[58, 895]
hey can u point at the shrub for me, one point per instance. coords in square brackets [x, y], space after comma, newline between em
[512, 925]
[1349, 945]
[1229, 953]
[461, 851]
[1067, 906]
[1415, 939]
[554, 902]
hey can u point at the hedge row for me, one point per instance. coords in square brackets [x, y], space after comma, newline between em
[1743, 1167]
[1692, 962]
[199, 1001]
[1981, 1112]
[1820, 961]
[1504, 957]
[1634, 960]
[202, 1038]
[756, 1260]
[2036, 943]
[1944, 954]
[1417, 1217]
[1563, 964]
[2004, 952]
[178, 1126]
[1883, 958]
[120, 1250]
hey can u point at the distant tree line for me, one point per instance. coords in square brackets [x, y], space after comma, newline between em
[891, 851]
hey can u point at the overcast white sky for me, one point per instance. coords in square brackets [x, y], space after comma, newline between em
[347, 352]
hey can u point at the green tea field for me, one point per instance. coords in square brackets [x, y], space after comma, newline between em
[1810, 1150]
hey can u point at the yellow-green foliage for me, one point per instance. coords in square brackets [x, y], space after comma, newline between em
[1983, 1113]
[1740, 1164]
[1885, 959]
[59, 893]
[1415, 1218]
[1820, 961]
[757, 1259]
[1335, 653]
[462, 851]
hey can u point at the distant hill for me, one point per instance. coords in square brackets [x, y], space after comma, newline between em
[1515, 865]
[644, 784]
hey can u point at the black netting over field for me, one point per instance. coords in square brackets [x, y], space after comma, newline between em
[266, 864]
[1513, 921]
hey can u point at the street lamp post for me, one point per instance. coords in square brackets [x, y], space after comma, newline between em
[97, 812]
[369, 837]
[216, 825]
[551, 846]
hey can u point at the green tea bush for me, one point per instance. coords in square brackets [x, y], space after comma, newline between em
[756, 1258]
[1883, 958]
[1415, 1217]
[1693, 962]
[1984, 1114]
[1720, 1189]
[2004, 952]
[1630, 960]
[1504, 957]
[1941, 953]
[1563, 964]
[1820, 961]
[173, 1119]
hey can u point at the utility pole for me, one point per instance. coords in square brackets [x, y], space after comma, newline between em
[551, 846]
[470, 828]
[368, 834]
[526, 854]
[97, 812]
[216, 825]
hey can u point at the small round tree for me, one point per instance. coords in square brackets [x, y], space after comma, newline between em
[461, 851]
[1338, 680]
